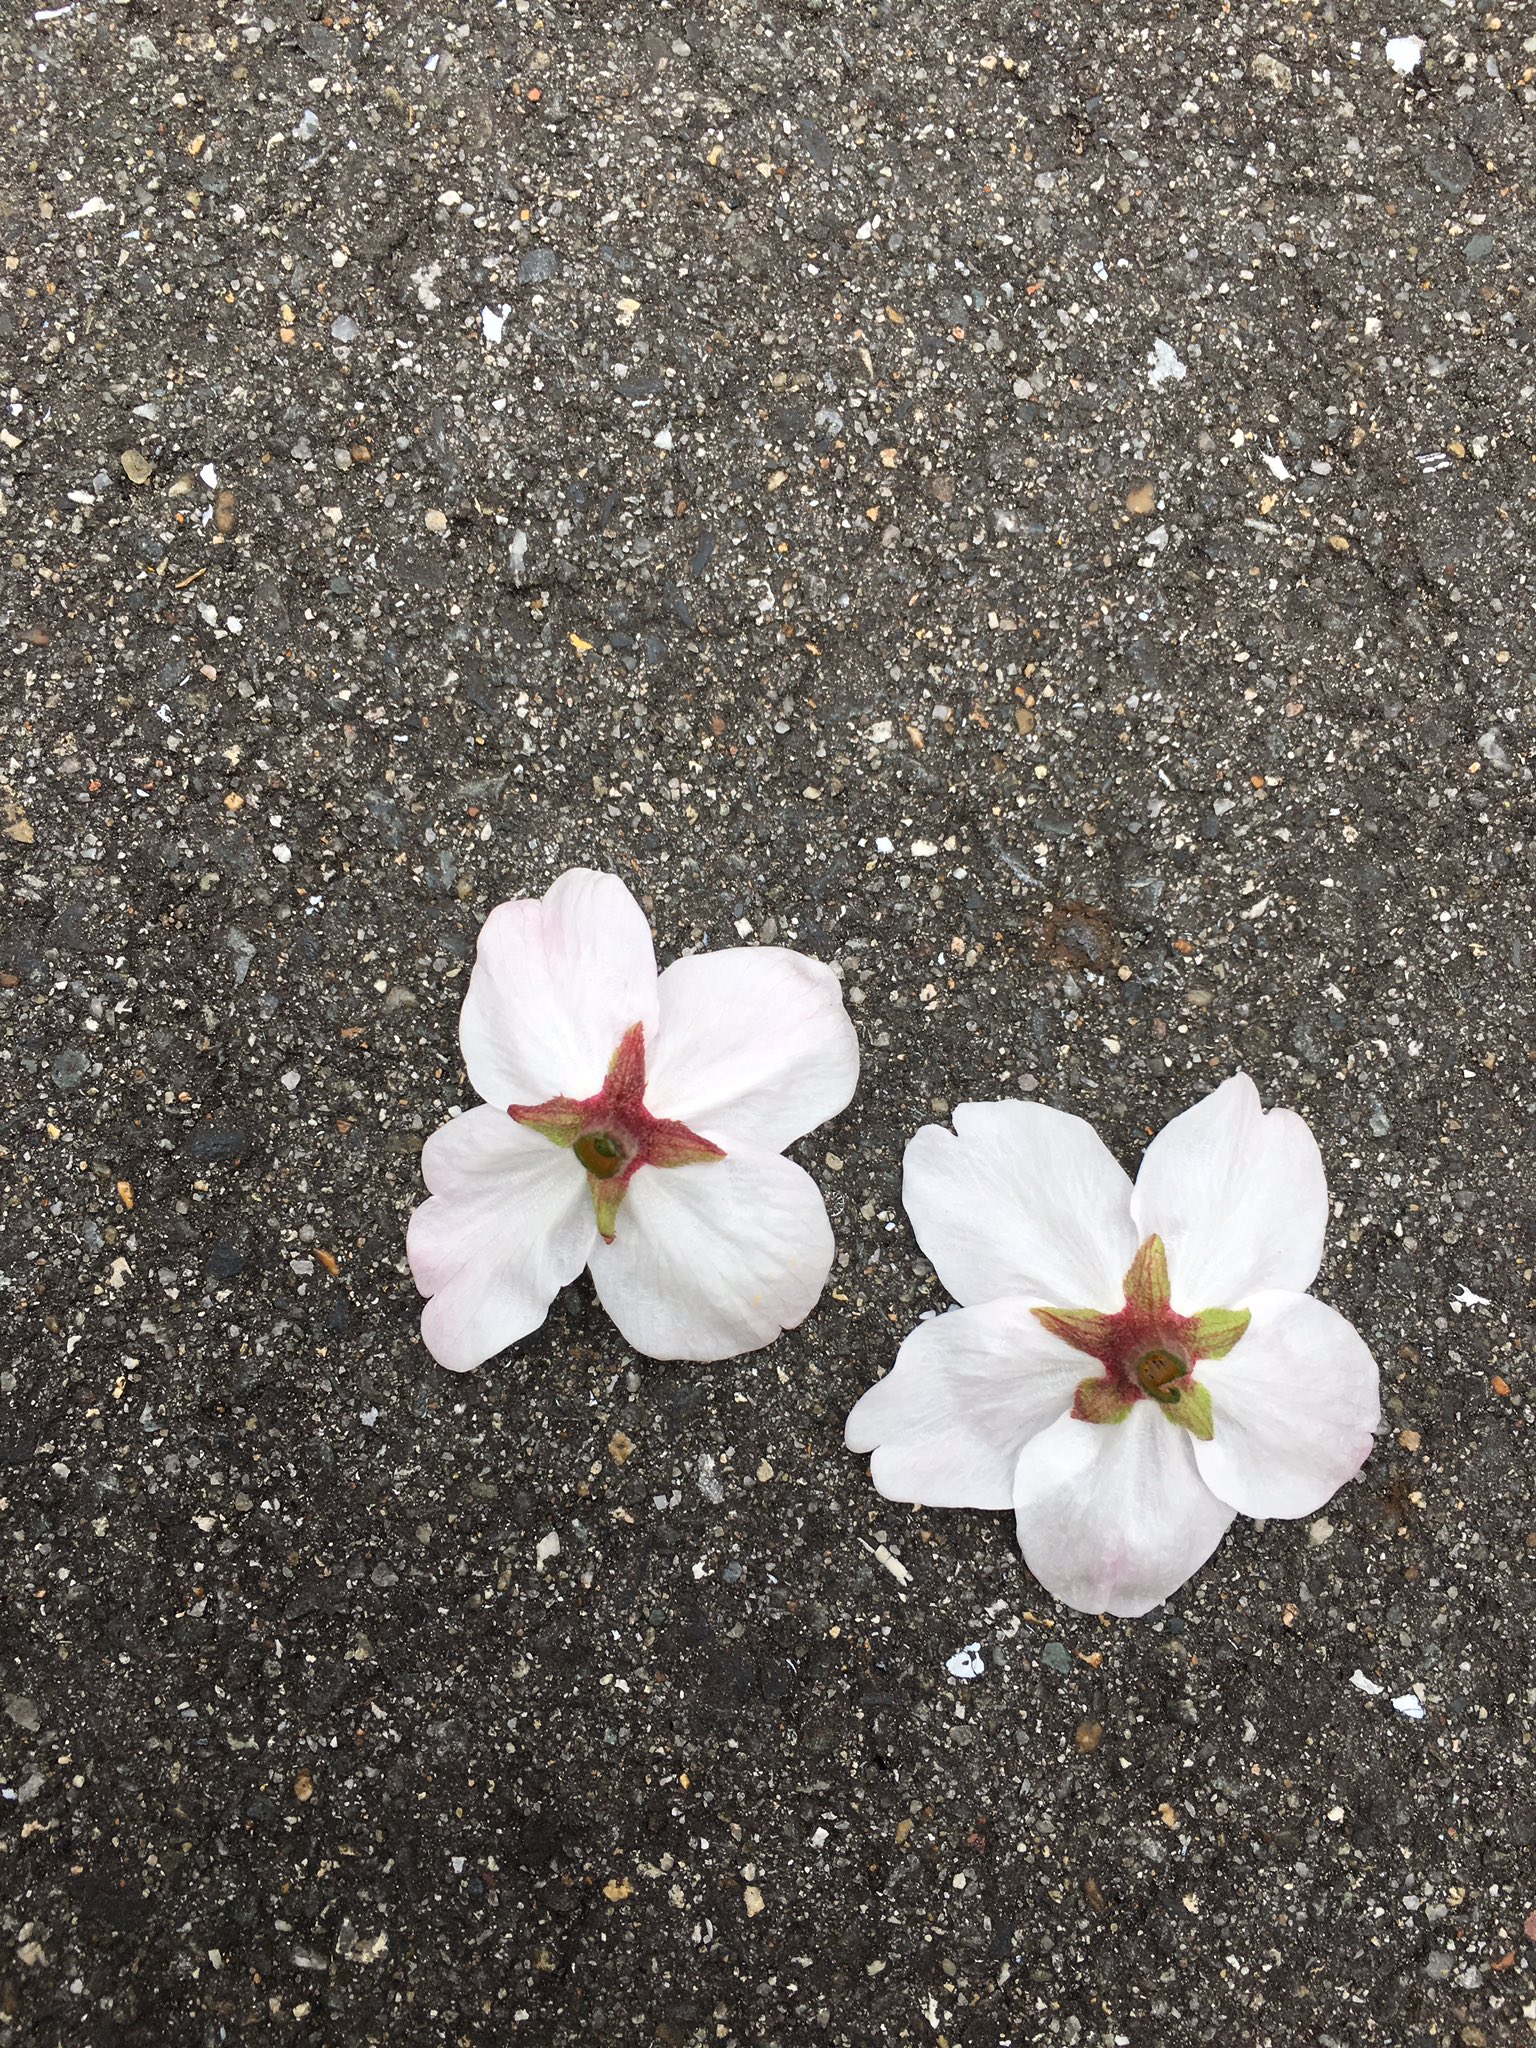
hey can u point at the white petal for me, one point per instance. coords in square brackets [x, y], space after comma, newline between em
[1022, 1200]
[558, 980]
[1113, 1516]
[708, 1261]
[1239, 1199]
[509, 1223]
[753, 1047]
[1293, 1406]
[967, 1392]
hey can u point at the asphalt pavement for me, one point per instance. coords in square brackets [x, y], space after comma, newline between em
[1033, 506]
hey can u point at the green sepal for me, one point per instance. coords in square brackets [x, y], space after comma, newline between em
[561, 1119]
[1146, 1284]
[1213, 1332]
[607, 1200]
[669, 1143]
[1100, 1400]
[1191, 1411]
[1085, 1329]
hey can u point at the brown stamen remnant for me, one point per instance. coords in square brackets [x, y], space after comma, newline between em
[600, 1153]
[1159, 1372]
[613, 1134]
[1148, 1351]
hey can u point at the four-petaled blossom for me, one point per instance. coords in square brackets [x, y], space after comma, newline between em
[634, 1124]
[1132, 1365]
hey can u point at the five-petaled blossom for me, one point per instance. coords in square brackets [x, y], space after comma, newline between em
[1132, 1365]
[634, 1124]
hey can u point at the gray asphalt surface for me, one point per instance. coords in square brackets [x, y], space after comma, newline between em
[1031, 505]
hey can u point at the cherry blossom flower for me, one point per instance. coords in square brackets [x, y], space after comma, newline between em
[631, 1123]
[1131, 1365]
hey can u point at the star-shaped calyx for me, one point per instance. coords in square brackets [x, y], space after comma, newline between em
[613, 1134]
[1147, 1349]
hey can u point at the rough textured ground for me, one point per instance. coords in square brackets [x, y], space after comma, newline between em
[722, 443]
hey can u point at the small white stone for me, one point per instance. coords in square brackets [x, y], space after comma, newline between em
[1404, 54]
[282, 854]
[548, 1547]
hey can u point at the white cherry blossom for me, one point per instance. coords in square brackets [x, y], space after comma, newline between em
[1130, 1366]
[631, 1123]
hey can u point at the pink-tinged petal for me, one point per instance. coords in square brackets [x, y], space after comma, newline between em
[1293, 1407]
[1114, 1517]
[753, 1047]
[1021, 1200]
[709, 1261]
[558, 980]
[509, 1223]
[967, 1392]
[1238, 1197]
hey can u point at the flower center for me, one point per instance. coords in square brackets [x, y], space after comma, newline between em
[1147, 1350]
[1157, 1375]
[601, 1153]
[612, 1134]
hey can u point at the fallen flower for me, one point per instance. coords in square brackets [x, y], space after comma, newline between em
[634, 1124]
[1247, 1397]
